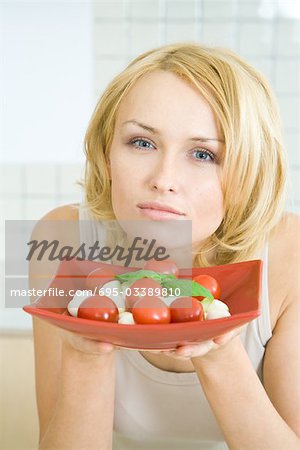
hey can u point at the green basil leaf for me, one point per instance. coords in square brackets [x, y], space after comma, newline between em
[187, 288]
[137, 275]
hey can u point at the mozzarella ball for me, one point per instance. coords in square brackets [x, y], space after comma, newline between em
[110, 288]
[217, 314]
[126, 318]
[76, 301]
[217, 305]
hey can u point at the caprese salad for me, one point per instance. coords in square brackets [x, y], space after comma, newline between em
[152, 295]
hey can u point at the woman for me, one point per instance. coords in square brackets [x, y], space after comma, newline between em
[196, 129]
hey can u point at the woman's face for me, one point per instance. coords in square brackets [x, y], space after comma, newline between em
[166, 154]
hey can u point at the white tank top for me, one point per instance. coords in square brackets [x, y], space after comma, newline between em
[161, 410]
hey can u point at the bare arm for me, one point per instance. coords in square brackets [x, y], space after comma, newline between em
[74, 375]
[250, 415]
[83, 412]
[242, 407]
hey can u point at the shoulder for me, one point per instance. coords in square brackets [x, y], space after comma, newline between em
[284, 261]
[60, 223]
[284, 244]
[281, 360]
[64, 212]
[68, 212]
[287, 228]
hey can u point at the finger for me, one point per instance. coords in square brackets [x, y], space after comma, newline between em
[105, 347]
[87, 345]
[226, 337]
[191, 351]
[223, 338]
[174, 355]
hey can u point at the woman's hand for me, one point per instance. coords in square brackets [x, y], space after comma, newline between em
[85, 346]
[185, 352]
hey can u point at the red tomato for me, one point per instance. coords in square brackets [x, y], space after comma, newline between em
[186, 309]
[168, 266]
[139, 289]
[151, 310]
[98, 277]
[210, 284]
[98, 307]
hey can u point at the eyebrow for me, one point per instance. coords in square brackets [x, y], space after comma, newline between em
[155, 131]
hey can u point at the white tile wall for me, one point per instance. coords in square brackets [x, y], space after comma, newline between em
[11, 180]
[35, 190]
[69, 176]
[264, 65]
[105, 69]
[222, 34]
[109, 10]
[143, 36]
[41, 179]
[110, 38]
[28, 192]
[180, 9]
[292, 142]
[216, 9]
[185, 31]
[248, 10]
[288, 38]
[36, 208]
[256, 39]
[296, 186]
[290, 111]
[11, 209]
[293, 193]
[145, 10]
[287, 76]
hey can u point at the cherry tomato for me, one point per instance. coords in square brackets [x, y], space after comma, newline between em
[186, 309]
[210, 284]
[139, 289]
[98, 277]
[151, 310]
[168, 266]
[98, 307]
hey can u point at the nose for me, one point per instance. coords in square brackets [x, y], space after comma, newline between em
[162, 187]
[164, 177]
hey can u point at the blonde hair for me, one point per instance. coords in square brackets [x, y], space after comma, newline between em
[254, 166]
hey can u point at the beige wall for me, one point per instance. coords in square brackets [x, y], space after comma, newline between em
[18, 415]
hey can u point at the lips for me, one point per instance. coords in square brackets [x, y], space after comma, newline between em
[156, 206]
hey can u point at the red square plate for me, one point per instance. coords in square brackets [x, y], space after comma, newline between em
[241, 291]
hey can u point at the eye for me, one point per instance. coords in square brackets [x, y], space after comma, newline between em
[141, 143]
[203, 155]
